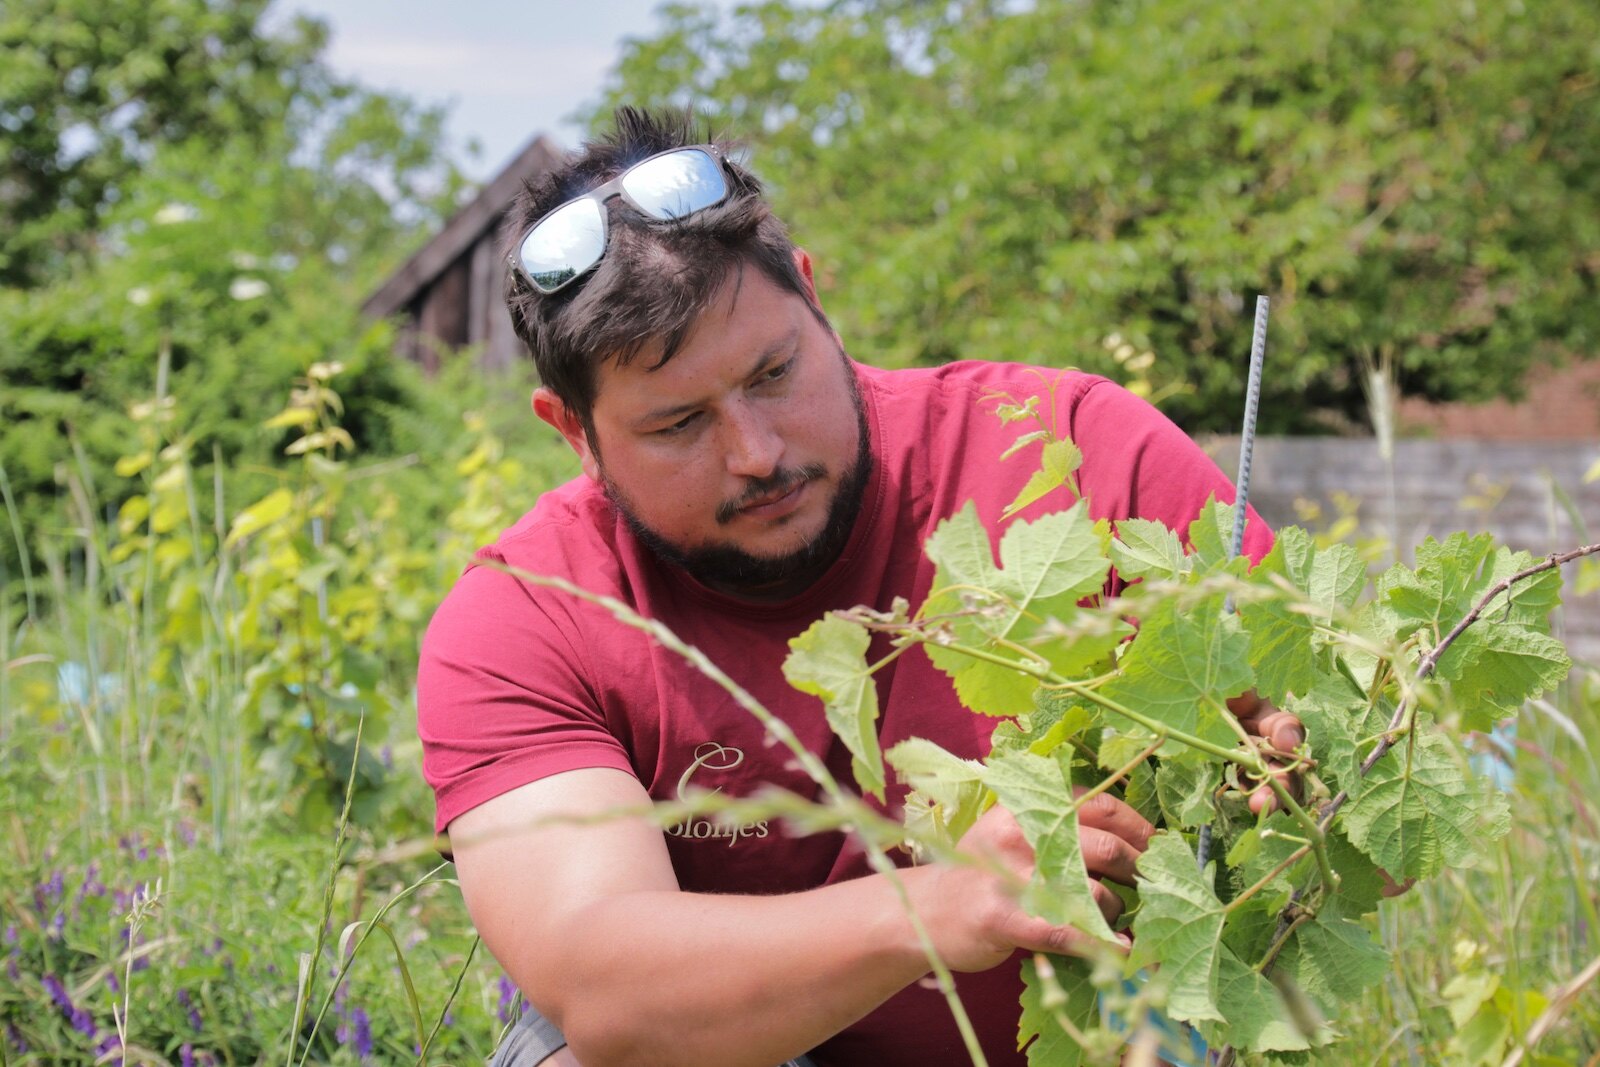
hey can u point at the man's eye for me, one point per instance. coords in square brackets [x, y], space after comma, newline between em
[678, 427]
[778, 373]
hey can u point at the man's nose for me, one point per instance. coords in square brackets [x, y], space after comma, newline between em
[752, 446]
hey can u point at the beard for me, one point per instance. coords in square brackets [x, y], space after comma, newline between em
[726, 566]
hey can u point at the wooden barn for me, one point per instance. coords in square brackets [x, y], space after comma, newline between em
[450, 294]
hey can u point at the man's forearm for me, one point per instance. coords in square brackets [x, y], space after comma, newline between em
[683, 978]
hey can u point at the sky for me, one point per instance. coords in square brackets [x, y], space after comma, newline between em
[508, 70]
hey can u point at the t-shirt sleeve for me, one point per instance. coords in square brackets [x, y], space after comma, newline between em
[502, 695]
[1138, 464]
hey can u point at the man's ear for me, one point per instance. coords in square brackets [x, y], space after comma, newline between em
[550, 409]
[802, 263]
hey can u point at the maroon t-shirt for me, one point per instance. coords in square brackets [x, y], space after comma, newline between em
[518, 682]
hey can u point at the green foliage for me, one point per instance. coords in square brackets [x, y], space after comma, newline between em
[1266, 953]
[1038, 791]
[181, 711]
[1104, 184]
[199, 209]
[828, 661]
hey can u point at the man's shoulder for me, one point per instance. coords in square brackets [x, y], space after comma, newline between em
[961, 404]
[984, 377]
[570, 522]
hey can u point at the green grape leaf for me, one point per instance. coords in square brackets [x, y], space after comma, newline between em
[1493, 668]
[1037, 790]
[1059, 990]
[1056, 464]
[1337, 577]
[1281, 655]
[1058, 718]
[1341, 728]
[1179, 927]
[1333, 959]
[1184, 663]
[1420, 809]
[1285, 648]
[1145, 548]
[1438, 592]
[1184, 784]
[1048, 565]
[1140, 793]
[1257, 1018]
[1529, 602]
[1360, 883]
[1450, 579]
[953, 783]
[1211, 535]
[829, 661]
[1262, 848]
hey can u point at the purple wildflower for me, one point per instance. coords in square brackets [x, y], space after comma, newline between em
[508, 996]
[18, 1042]
[58, 993]
[13, 972]
[46, 894]
[12, 936]
[112, 983]
[83, 1022]
[186, 831]
[362, 1036]
[186, 1055]
[91, 886]
[109, 1045]
[58, 927]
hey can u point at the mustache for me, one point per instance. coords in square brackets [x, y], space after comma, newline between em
[777, 483]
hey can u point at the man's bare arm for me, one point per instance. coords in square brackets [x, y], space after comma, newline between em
[588, 919]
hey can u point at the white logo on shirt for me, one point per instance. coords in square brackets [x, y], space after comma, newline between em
[713, 757]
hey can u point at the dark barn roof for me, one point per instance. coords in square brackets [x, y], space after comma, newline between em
[449, 292]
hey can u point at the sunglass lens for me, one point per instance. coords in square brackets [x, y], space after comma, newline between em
[568, 242]
[676, 184]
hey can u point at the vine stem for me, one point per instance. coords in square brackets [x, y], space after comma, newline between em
[779, 731]
[1400, 725]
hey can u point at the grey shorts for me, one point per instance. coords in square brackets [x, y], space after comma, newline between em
[533, 1037]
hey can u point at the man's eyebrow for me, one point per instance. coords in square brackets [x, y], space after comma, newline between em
[778, 351]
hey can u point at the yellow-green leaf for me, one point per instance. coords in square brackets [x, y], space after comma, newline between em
[265, 512]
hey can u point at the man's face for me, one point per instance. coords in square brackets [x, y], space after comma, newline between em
[743, 458]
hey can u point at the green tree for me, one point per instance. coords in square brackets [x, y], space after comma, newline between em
[192, 203]
[1106, 185]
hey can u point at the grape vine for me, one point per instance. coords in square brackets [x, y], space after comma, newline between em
[1262, 949]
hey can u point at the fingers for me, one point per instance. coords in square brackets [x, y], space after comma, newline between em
[1282, 730]
[1105, 812]
[1283, 733]
[1037, 935]
[1110, 904]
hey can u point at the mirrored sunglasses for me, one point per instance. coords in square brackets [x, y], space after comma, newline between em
[569, 241]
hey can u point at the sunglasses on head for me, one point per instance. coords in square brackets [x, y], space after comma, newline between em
[569, 241]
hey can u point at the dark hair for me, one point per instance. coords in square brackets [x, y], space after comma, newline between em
[656, 277]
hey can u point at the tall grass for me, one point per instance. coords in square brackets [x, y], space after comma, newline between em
[206, 688]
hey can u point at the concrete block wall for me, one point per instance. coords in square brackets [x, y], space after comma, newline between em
[1506, 488]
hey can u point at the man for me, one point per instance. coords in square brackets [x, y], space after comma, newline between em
[741, 476]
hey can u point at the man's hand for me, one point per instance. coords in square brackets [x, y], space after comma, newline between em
[1281, 733]
[987, 924]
